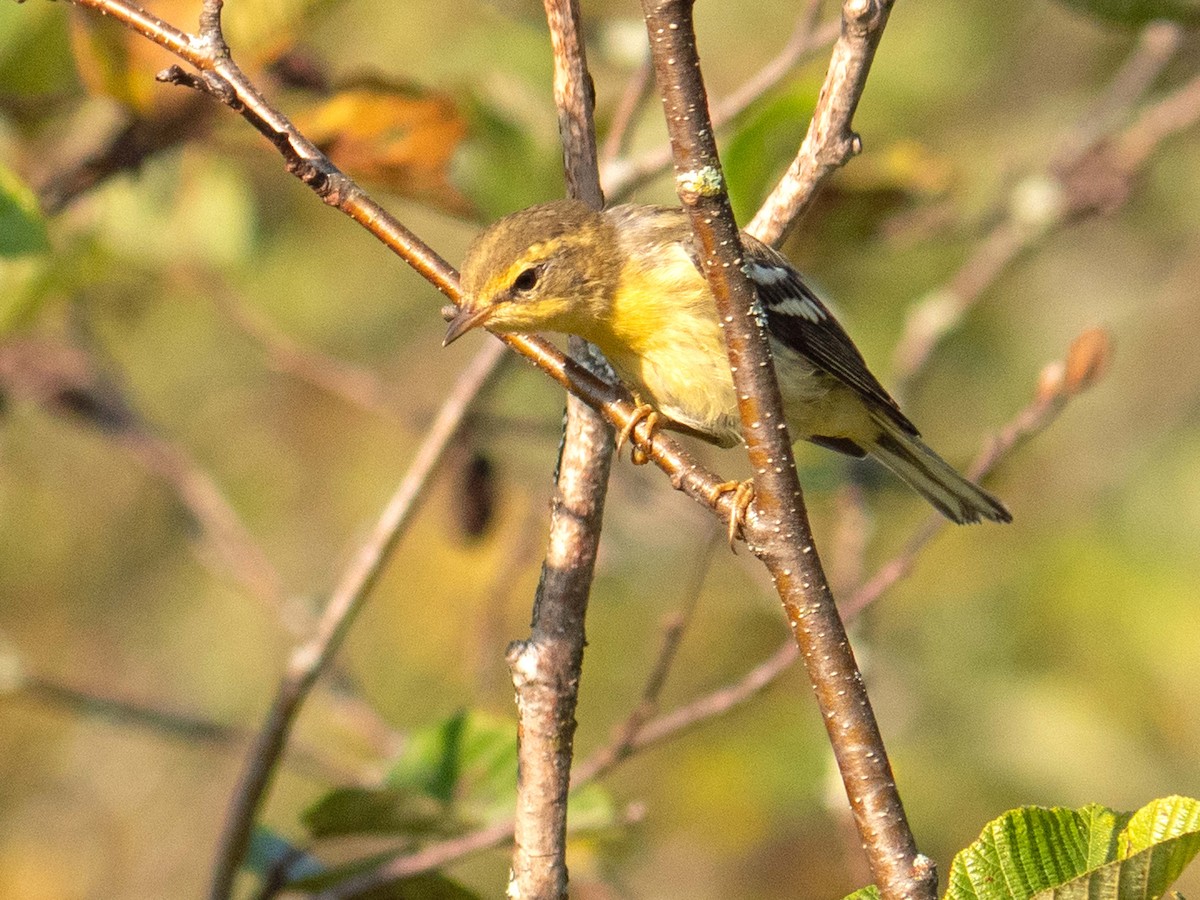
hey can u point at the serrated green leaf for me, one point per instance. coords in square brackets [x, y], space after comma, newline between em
[1081, 854]
[870, 892]
[1158, 821]
[22, 228]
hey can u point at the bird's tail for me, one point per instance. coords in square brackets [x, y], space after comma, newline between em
[954, 496]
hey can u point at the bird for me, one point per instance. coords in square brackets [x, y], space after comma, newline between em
[628, 278]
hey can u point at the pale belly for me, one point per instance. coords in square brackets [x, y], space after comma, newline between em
[669, 380]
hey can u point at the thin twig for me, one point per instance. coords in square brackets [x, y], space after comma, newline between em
[627, 732]
[1090, 174]
[621, 177]
[231, 548]
[806, 39]
[432, 857]
[68, 381]
[635, 95]
[1085, 362]
[172, 723]
[347, 598]
[830, 143]
[1156, 47]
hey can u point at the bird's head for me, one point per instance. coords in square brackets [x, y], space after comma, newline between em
[551, 267]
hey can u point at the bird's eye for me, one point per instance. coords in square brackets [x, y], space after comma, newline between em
[527, 280]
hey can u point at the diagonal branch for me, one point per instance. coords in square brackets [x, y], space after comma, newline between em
[311, 657]
[780, 534]
[223, 79]
[1091, 174]
[830, 143]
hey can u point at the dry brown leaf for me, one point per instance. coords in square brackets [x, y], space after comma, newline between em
[399, 137]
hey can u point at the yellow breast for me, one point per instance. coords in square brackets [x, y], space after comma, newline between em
[662, 336]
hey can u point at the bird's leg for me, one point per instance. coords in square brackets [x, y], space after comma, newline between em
[743, 496]
[643, 412]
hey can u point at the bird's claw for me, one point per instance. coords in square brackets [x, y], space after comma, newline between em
[643, 412]
[743, 496]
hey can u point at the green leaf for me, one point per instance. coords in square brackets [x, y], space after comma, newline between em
[457, 773]
[762, 147]
[1139, 12]
[1081, 854]
[22, 228]
[386, 810]
[469, 760]
[1152, 850]
[870, 892]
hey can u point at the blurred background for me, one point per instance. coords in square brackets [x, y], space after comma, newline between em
[212, 383]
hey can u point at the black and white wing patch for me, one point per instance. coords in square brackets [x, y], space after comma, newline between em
[800, 321]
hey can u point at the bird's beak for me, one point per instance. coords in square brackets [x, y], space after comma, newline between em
[464, 321]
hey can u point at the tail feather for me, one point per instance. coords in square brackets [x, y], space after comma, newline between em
[954, 496]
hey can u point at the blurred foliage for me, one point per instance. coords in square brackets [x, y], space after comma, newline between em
[22, 228]
[1052, 662]
[1139, 12]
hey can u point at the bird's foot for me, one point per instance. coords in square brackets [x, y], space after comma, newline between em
[743, 496]
[643, 412]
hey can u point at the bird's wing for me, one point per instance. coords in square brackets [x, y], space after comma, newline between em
[798, 319]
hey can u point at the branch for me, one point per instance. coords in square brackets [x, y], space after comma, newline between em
[829, 143]
[780, 534]
[547, 667]
[1086, 361]
[623, 176]
[1060, 382]
[222, 78]
[625, 740]
[1090, 175]
[170, 723]
[636, 93]
[355, 385]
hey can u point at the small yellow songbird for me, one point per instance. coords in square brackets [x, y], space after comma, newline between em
[628, 279]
